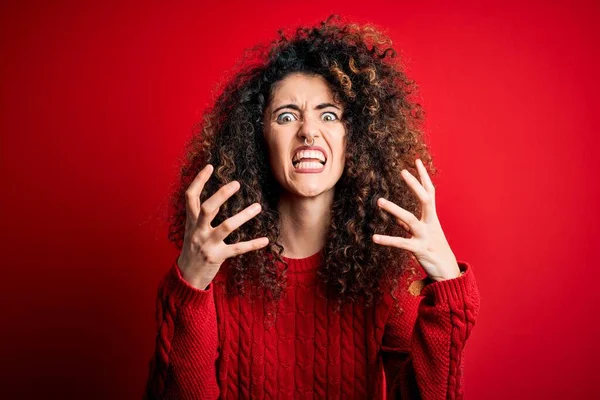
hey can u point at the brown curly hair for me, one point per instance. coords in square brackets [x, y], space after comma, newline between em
[383, 122]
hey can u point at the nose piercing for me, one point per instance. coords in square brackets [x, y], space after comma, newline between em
[311, 143]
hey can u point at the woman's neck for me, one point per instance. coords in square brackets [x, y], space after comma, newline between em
[304, 222]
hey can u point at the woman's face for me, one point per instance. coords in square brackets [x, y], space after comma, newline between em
[303, 107]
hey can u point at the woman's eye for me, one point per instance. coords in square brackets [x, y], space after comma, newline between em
[286, 117]
[329, 116]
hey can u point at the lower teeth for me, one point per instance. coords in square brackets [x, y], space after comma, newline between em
[308, 165]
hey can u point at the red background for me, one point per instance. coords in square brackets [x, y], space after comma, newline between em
[98, 100]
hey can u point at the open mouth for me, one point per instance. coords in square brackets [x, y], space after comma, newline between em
[308, 164]
[309, 159]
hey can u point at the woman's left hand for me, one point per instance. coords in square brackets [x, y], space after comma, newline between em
[428, 243]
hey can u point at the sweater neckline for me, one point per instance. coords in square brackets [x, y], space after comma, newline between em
[306, 264]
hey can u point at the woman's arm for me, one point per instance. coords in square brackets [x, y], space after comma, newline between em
[423, 345]
[186, 352]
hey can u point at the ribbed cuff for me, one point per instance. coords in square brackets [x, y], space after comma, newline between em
[451, 290]
[185, 294]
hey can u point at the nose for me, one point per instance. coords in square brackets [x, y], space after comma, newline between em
[309, 130]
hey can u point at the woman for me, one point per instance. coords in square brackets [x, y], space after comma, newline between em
[304, 269]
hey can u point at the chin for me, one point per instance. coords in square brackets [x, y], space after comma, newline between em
[308, 190]
[306, 185]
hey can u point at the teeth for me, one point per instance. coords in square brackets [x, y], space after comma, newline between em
[308, 165]
[315, 154]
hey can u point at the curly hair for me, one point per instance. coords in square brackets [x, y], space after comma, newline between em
[383, 121]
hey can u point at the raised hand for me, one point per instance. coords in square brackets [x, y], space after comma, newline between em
[203, 249]
[428, 243]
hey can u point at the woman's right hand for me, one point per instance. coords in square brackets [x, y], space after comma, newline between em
[203, 249]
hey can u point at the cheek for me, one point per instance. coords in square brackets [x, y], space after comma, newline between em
[276, 155]
[278, 142]
[342, 163]
[341, 151]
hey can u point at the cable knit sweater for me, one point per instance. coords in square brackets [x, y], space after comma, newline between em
[211, 346]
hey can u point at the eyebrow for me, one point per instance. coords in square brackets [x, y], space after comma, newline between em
[295, 107]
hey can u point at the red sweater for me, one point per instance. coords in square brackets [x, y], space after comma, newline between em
[212, 346]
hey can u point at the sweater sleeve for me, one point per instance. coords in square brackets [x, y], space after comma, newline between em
[423, 343]
[184, 364]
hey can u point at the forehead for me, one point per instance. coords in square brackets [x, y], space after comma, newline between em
[299, 87]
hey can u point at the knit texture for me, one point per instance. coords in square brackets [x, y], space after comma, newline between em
[213, 346]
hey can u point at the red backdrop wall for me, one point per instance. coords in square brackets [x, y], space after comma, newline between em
[98, 100]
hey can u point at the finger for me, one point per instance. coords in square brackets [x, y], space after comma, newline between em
[425, 179]
[415, 185]
[192, 194]
[210, 207]
[394, 241]
[400, 213]
[232, 223]
[424, 197]
[402, 224]
[244, 247]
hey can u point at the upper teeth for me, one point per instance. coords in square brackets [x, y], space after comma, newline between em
[316, 154]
